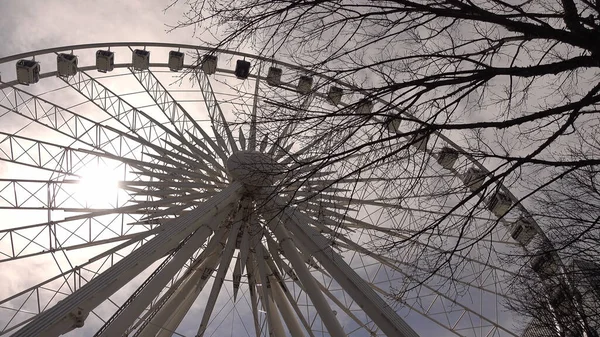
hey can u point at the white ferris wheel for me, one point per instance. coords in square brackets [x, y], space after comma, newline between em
[136, 202]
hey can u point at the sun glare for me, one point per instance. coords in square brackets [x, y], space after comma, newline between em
[98, 186]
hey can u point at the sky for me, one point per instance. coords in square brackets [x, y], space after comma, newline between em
[40, 24]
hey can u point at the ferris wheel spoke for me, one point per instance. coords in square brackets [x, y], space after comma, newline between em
[292, 255]
[223, 267]
[214, 147]
[252, 289]
[52, 236]
[220, 141]
[142, 206]
[206, 154]
[44, 155]
[253, 114]
[277, 263]
[151, 288]
[274, 325]
[79, 128]
[175, 113]
[219, 123]
[286, 307]
[168, 316]
[94, 292]
[396, 265]
[387, 320]
[43, 295]
[120, 110]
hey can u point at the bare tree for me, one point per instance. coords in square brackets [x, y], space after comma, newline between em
[514, 84]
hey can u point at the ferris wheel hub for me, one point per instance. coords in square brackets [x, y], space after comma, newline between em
[255, 170]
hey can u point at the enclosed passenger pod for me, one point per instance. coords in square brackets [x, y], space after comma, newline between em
[393, 124]
[242, 69]
[28, 72]
[474, 178]
[66, 65]
[105, 61]
[364, 107]
[447, 157]
[209, 64]
[499, 204]
[522, 231]
[305, 84]
[544, 265]
[419, 141]
[334, 95]
[274, 76]
[140, 59]
[175, 60]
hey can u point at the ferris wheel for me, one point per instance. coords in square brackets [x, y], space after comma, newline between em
[143, 195]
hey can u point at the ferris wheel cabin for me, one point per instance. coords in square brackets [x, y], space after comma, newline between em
[499, 204]
[393, 124]
[105, 61]
[274, 76]
[28, 72]
[474, 178]
[209, 64]
[419, 141]
[305, 84]
[447, 157]
[242, 69]
[175, 60]
[364, 107]
[66, 65]
[140, 59]
[522, 231]
[334, 95]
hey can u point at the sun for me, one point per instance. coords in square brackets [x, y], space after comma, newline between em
[98, 186]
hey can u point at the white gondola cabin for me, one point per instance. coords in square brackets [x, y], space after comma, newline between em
[447, 157]
[140, 59]
[334, 95]
[364, 107]
[305, 84]
[522, 231]
[176, 60]
[499, 204]
[242, 69]
[274, 76]
[474, 178]
[209, 64]
[28, 72]
[419, 141]
[105, 61]
[66, 65]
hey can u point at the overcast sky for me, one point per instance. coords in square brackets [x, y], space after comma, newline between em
[38, 24]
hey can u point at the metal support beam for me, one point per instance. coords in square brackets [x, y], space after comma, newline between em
[223, 267]
[380, 312]
[60, 318]
[285, 308]
[128, 315]
[266, 297]
[312, 288]
[172, 312]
